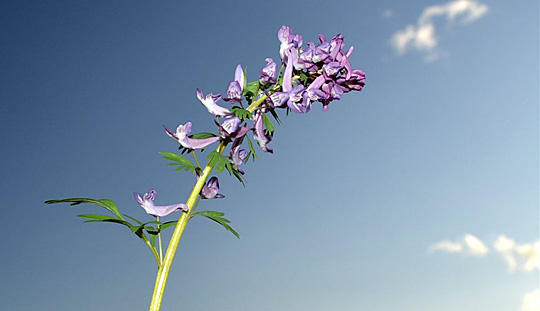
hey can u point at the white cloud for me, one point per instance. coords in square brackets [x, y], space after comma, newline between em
[468, 244]
[524, 256]
[531, 301]
[387, 13]
[505, 246]
[422, 37]
[531, 255]
[447, 246]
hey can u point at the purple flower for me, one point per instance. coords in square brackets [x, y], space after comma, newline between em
[147, 203]
[236, 87]
[210, 103]
[331, 69]
[298, 101]
[279, 99]
[181, 135]
[211, 189]
[285, 36]
[231, 128]
[268, 73]
[259, 133]
[238, 157]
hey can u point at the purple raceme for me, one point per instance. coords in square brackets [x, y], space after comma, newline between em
[146, 201]
[181, 135]
[211, 189]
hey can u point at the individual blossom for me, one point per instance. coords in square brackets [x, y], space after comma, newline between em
[146, 201]
[238, 156]
[209, 101]
[278, 99]
[298, 100]
[259, 133]
[231, 128]
[355, 82]
[211, 189]
[268, 73]
[182, 136]
[236, 87]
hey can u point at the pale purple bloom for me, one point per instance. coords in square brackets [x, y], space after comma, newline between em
[146, 201]
[181, 135]
[331, 69]
[211, 189]
[268, 73]
[231, 125]
[259, 133]
[298, 101]
[238, 157]
[210, 103]
[231, 128]
[314, 89]
[279, 99]
[287, 75]
[285, 36]
[236, 87]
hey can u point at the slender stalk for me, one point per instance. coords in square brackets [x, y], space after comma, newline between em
[159, 241]
[163, 271]
[156, 256]
[165, 267]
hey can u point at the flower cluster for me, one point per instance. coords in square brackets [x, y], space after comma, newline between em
[308, 74]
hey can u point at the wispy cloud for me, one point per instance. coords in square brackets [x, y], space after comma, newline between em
[422, 36]
[468, 244]
[526, 256]
[387, 13]
[531, 301]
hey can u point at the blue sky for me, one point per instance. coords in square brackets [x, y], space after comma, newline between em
[368, 206]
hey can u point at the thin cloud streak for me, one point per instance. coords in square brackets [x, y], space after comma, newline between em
[422, 36]
[468, 244]
[525, 257]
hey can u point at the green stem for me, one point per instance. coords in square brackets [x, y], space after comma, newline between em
[165, 268]
[145, 240]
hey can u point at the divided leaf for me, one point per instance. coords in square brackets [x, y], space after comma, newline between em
[252, 152]
[242, 114]
[219, 161]
[181, 162]
[105, 203]
[217, 217]
[269, 126]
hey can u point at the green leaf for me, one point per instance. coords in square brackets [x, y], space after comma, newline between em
[269, 126]
[218, 161]
[180, 161]
[153, 240]
[168, 224]
[251, 88]
[251, 150]
[217, 217]
[241, 113]
[303, 77]
[105, 203]
[237, 174]
[203, 135]
[104, 218]
[134, 219]
[275, 115]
